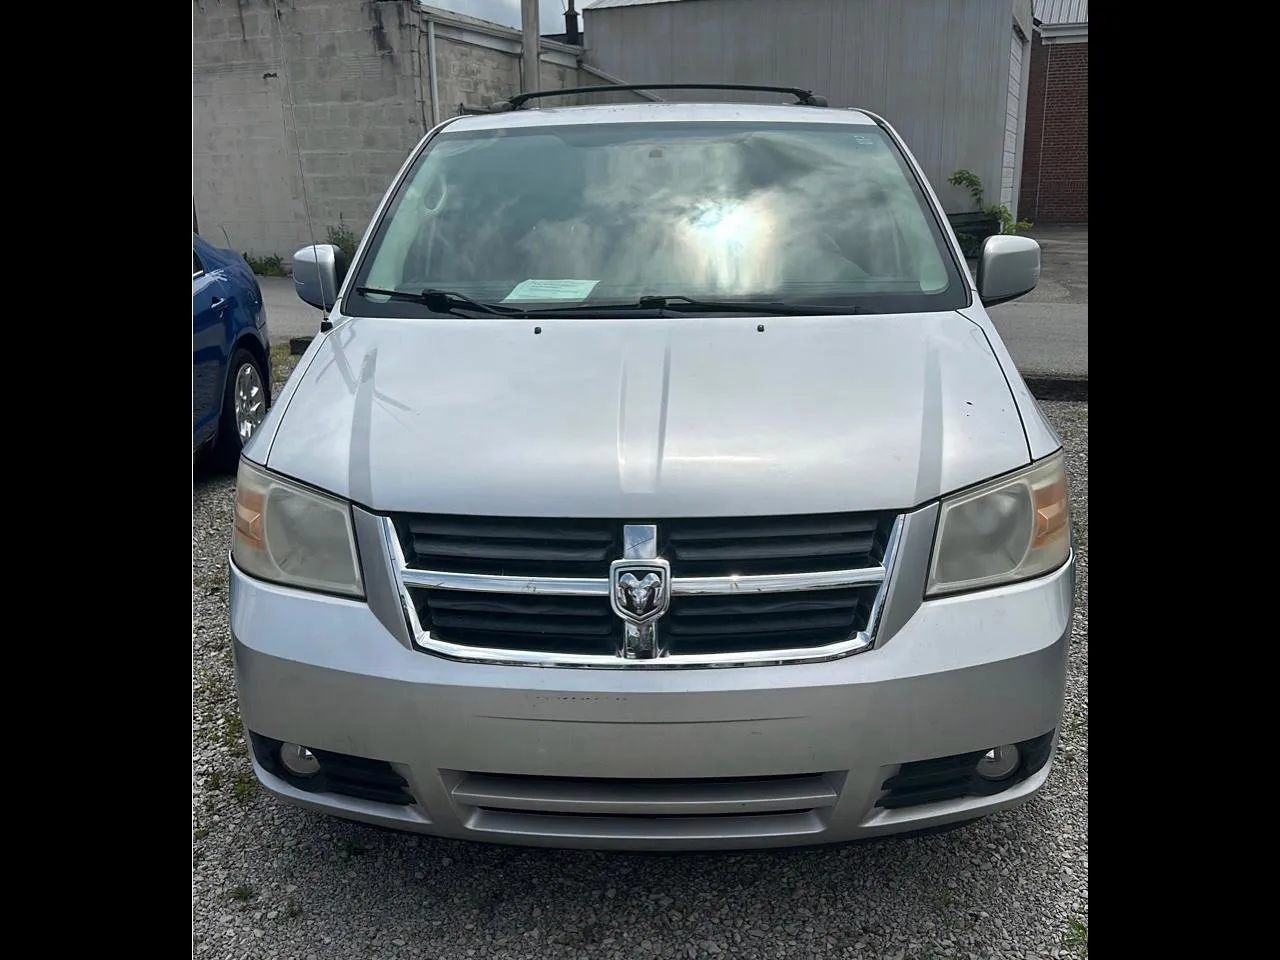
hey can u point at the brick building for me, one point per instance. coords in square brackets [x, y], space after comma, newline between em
[1055, 159]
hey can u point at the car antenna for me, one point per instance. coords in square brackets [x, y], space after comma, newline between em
[325, 324]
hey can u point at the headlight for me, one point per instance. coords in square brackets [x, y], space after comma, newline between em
[1013, 528]
[294, 536]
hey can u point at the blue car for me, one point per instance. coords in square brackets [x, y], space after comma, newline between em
[230, 356]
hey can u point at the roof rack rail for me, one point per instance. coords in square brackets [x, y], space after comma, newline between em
[803, 97]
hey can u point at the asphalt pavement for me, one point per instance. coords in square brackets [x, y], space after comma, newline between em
[287, 316]
[1047, 331]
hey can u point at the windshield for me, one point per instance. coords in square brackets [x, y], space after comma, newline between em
[806, 214]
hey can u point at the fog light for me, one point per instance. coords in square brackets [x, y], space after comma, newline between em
[999, 763]
[301, 762]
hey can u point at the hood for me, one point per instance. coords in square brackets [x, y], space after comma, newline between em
[648, 418]
[228, 261]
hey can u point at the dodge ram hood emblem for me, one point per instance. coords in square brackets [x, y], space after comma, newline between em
[640, 590]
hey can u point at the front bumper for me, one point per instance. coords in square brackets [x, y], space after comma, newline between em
[654, 759]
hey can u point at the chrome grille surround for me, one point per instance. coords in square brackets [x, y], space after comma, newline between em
[639, 540]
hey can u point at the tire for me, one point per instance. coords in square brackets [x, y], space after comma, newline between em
[246, 379]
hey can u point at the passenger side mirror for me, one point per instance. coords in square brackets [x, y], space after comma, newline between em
[318, 272]
[1008, 267]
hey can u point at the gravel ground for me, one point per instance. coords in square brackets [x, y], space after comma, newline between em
[269, 880]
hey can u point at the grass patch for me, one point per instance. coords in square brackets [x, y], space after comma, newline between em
[1076, 936]
[244, 787]
[214, 780]
[232, 732]
[279, 354]
[201, 833]
[282, 364]
[269, 266]
[343, 238]
[241, 893]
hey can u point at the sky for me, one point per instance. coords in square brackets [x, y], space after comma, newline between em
[550, 16]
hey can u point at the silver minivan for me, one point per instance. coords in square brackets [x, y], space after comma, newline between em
[657, 481]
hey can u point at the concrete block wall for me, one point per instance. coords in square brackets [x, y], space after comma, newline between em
[558, 77]
[315, 89]
[243, 188]
[316, 104]
[484, 67]
[473, 74]
[1055, 169]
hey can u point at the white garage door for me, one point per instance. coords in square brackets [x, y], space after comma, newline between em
[1008, 176]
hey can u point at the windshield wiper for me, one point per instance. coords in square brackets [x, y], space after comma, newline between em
[682, 304]
[443, 301]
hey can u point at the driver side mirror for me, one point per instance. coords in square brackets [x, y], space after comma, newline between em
[1008, 267]
[318, 272]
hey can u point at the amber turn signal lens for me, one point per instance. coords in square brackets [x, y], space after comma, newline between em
[248, 526]
[1051, 512]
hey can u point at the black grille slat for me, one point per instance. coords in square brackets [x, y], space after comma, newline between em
[441, 623]
[928, 781]
[759, 604]
[379, 793]
[506, 550]
[519, 621]
[923, 773]
[756, 546]
[537, 605]
[911, 798]
[348, 763]
[362, 777]
[769, 623]
[510, 529]
[352, 776]
[773, 621]
[510, 546]
[748, 527]
[773, 548]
